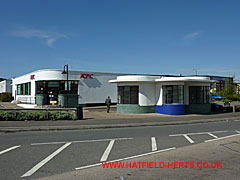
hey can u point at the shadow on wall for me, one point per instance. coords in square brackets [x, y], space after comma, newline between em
[91, 83]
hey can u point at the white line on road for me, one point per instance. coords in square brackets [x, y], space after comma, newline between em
[154, 144]
[127, 158]
[9, 149]
[107, 151]
[43, 162]
[83, 141]
[196, 133]
[210, 134]
[188, 138]
[222, 138]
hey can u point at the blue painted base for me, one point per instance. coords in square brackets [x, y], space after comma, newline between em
[170, 109]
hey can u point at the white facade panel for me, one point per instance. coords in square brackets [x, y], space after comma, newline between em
[147, 94]
[6, 86]
[91, 89]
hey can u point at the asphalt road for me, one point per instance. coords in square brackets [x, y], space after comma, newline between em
[30, 155]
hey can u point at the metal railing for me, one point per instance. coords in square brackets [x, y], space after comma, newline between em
[27, 100]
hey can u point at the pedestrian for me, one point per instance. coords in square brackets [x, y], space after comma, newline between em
[108, 103]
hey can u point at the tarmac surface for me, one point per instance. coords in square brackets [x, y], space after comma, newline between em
[224, 152]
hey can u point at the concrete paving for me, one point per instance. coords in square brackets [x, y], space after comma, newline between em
[225, 151]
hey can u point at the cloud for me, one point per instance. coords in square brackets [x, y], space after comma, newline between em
[191, 36]
[48, 36]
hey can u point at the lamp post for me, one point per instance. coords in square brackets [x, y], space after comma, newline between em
[65, 71]
[195, 71]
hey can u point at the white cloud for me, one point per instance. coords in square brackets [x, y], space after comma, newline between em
[48, 36]
[191, 36]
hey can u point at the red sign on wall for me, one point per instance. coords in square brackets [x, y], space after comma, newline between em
[85, 76]
[32, 77]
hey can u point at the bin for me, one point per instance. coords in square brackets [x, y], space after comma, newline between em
[79, 112]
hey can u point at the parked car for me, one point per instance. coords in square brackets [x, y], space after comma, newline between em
[216, 107]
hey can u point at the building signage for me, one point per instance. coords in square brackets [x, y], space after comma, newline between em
[85, 76]
[32, 77]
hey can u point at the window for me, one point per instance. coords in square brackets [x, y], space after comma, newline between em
[24, 89]
[42, 87]
[173, 94]
[199, 94]
[72, 87]
[128, 94]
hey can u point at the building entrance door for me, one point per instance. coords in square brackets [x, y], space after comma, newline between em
[52, 92]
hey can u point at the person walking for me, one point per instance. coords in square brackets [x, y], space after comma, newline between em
[108, 103]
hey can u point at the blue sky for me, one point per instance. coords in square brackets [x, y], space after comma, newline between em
[128, 36]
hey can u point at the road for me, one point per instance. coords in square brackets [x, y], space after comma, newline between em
[30, 155]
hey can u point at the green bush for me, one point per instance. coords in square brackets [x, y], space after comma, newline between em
[6, 97]
[237, 109]
[7, 116]
[60, 115]
[36, 115]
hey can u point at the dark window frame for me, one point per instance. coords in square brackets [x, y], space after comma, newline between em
[173, 94]
[199, 94]
[128, 94]
[24, 89]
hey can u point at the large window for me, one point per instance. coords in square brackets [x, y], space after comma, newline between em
[42, 87]
[24, 89]
[128, 94]
[199, 94]
[72, 87]
[173, 94]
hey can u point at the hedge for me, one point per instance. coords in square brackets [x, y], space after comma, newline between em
[37, 115]
[5, 97]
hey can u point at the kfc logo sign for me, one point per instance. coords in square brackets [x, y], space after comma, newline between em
[85, 76]
[32, 77]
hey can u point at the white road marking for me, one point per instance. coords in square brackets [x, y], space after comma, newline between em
[196, 133]
[154, 144]
[127, 158]
[188, 138]
[210, 134]
[43, 162]
[222, 138]
[107, 151]
[83, 141]
[9, 149]
[238, 132]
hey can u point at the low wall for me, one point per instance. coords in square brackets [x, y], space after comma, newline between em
[134, 109]
[198, 108]
[170, 109]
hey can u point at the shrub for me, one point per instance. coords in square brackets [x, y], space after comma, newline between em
[36, 115]
[60, 115]
[6, 97]
[237, 109]
[7, 116]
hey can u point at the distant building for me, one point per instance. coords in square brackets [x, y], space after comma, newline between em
[237, 87]
[220, 84]
[6, 86]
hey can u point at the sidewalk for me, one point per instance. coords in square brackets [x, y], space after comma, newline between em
[97, 118]
[226, 151]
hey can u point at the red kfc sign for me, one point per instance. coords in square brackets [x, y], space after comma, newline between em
[85, 76]
[32, 77]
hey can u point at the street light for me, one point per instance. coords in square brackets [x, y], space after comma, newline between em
[65, 71]
[195, 71]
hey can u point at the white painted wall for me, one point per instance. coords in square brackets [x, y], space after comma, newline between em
[6, 86]
[147, 94]
[90, 90]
